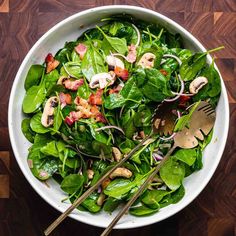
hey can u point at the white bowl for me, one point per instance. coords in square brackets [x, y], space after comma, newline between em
[67, 30]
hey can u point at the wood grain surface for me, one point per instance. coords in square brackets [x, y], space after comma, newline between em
[22, 211]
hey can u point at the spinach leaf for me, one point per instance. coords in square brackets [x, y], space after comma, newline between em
[57, 121]
[72, 183]
[128, 123]
[33, 76]
[84, 91]
[26, 130]
[172, 173]
[92, 63]
[114, 100]
[111, 204]
[178, 194]
[36, 125]
[34, 98]
[50, 149]
[90, 203]
[100, 136]
[153, 197]
[142, 211]
[192, 65]
[118, 44]
[187, 156]
[51, 79]
[73, 69]
[183, 121]
[156, 86]
[197, 165]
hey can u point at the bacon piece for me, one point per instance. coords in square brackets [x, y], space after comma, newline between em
[100, 118]
[132, 53]
[51, 63]
[65, 99]
[73, 84]
[183, 101]
[164, 72]
[81, 50]
[116, 89]
[122, 73]
[96, 99]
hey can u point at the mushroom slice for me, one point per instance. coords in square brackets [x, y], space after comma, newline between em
[116, 154]
[102, 80]
[197, 84]
[147, 60]
[113, 61]
[48, 111]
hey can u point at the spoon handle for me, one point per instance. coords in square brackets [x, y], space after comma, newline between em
[138, 193]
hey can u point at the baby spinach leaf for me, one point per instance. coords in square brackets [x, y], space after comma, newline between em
[197, 165]
[187, 156]
[92, 63]
[111, 204]
[50, 149]
[142, 211]
[33, 76]
[72, 183]
[34, 98]
[177, 195]
[90, 203]
[100, 136]
[83, 91]
[51, 79]
[73, 69]
[114, 100]
[36, 125]
[118, 44]
[26, 130]
[156, 87]
[57, 121]
[192, 65]
[183, 121]
[172, 173]
[153, 197]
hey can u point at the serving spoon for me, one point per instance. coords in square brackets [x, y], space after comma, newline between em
[202, 119]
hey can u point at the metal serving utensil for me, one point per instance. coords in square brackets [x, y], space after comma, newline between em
[202, 119]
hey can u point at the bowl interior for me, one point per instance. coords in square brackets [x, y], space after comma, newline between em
[53, 40]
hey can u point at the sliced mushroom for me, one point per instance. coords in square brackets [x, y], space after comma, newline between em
[121, 172]
[48, 111]
[113, 61]
[101, 199]
[90, 173]
[116, 154]
[197, 84]
[147, 60]
[102, 80]
[61, 80]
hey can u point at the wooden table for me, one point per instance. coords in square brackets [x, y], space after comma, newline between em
[22, 211]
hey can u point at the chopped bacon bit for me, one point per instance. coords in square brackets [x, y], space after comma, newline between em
[100, 118]
[96, 99]
[51, 63]
[132, 54]
[164, 72]
[65, 99]
[49, 58]
[94, 110]
[115, 90]
[69, 120]
[81, 50]
[122, 73]
[73, 84]
[142, 134]
[183, 100]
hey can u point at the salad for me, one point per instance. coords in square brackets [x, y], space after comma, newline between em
[91, 103]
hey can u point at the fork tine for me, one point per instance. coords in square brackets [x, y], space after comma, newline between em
[204, 107]
[208, 109]
[210, 112]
